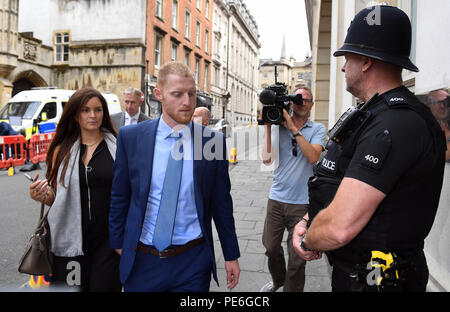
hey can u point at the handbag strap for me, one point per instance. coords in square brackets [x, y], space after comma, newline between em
[43, 216]
[42, 211]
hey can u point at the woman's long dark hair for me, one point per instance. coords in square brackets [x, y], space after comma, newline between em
[68, 131]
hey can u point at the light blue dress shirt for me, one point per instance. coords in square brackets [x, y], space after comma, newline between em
[290, 178]
[187, 226]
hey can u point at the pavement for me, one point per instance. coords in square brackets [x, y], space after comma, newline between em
[249, 189]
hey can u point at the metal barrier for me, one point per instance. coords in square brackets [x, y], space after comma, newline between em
[39, 145]
[13, 151]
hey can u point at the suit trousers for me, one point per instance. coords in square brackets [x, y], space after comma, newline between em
[280, 217]
[189, 271]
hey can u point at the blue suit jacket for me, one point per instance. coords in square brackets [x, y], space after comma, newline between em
[131, 186]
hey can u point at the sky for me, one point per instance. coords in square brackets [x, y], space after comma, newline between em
[275, 17]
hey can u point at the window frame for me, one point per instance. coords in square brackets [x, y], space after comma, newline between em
[158, 50]
[206, 41]
[59, 56]
[198, 31]
[175, 24]
[207, 9]
[173, 47]
[187, 24]
[159, 14]
[197, 70]
[206, 76]
[187, 57]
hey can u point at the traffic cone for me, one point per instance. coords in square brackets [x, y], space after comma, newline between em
[233, 157]
[11, 171]
[39, 281]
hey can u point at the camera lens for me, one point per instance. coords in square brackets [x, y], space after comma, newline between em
[274, 115]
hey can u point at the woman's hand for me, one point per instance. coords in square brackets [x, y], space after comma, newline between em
[39, 190]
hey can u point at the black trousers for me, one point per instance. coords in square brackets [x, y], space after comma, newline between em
[96, 271]
[415, 279]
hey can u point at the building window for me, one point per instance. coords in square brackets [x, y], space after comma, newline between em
[216, 76]
[174, 52]
[187, 24]
[158, 49]
[206, 40]
[199, 4]
[159, 8]
[206, 77]
[207, 9]
[62, 41]
[175, 14]
[197, 70]
[198, 28]
[187, 57]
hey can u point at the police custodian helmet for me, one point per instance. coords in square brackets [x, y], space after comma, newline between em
[381, 32]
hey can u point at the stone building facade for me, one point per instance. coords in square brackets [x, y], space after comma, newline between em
[73, 44]
[112, 44]
[242, 74]
[234, 80]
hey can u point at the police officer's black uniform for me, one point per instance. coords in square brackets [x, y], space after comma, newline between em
[394, 144]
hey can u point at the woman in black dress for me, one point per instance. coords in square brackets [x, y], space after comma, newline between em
[78, 187]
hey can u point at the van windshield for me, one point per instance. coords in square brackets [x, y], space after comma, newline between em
[25, 110]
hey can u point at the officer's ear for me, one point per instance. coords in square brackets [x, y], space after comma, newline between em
[367, 63]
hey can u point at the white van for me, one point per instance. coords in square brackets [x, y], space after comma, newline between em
[45, 106]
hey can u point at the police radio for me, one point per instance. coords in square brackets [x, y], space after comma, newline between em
[348, 120]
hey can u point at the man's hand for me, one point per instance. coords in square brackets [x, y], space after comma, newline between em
[233, 271]
[288, 123]
[119, 251]
[299, 230]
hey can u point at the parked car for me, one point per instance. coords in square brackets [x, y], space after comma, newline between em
[223, 126]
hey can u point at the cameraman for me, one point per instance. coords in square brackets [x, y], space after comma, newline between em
[300, 145]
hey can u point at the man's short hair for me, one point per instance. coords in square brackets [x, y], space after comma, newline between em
[173, 68]
[205, 110]
[307, 90]
[135, 91]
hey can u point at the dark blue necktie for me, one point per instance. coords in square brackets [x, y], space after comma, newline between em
[162, 238]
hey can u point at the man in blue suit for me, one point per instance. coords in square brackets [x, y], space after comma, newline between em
[139, 196]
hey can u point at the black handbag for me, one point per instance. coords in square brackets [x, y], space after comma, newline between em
[37, 259]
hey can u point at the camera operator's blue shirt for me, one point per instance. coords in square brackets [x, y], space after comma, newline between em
[290, 177]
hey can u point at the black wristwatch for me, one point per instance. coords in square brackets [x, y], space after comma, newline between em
[298, 133]
[302, 243]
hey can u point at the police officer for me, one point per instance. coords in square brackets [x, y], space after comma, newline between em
[374, 196]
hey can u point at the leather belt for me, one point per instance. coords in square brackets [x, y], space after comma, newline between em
[169, 252]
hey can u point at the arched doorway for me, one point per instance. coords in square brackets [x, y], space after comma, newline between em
[27, 80]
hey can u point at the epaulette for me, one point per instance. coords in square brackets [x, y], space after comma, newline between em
[396, 99]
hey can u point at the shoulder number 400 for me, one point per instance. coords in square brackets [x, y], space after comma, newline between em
[372, 159]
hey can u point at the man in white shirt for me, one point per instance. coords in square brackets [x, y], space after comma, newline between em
[132, 115]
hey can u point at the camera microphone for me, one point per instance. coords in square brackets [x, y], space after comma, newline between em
[267, 96]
